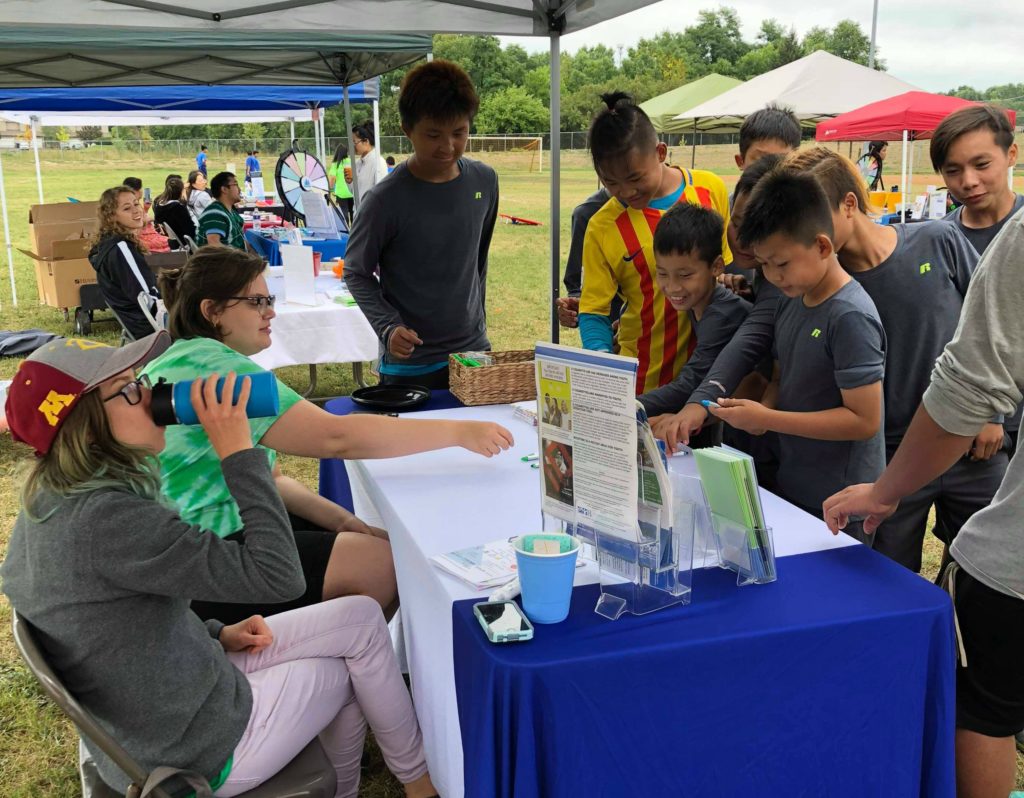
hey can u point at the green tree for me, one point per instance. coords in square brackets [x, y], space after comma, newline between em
[845, 40]
[512, 110]
[480, 56]
[61, 134]
[715, 43]
[587, 66]
[538, 83]
[774, 47]
[90, 132]
[661, 57]
[253, 132]
[579, 107]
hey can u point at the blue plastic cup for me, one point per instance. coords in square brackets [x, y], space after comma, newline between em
[546, 581]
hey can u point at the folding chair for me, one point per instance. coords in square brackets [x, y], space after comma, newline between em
[192, 245]
[309, 775]
[172, 236]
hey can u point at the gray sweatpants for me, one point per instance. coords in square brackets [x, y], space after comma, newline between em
[959, 493]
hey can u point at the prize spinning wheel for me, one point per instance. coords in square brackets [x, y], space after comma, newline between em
[298, 173]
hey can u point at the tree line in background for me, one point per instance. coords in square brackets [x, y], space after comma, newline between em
[514, 85]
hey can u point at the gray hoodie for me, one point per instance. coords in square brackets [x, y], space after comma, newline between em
[981, 374]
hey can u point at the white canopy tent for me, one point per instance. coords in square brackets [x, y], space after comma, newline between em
[815, 87]
[146, 42]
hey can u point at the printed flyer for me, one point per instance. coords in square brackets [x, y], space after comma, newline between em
[586, 409]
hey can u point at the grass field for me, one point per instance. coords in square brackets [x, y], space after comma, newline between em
[37, 746]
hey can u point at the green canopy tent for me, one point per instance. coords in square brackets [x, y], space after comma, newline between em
[664, 108]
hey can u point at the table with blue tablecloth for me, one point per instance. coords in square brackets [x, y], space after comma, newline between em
[838, 679]
[270, 248]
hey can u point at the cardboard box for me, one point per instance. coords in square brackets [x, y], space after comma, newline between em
[58, 221]
[59, 275]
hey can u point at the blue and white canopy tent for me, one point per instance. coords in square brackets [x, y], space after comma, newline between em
[178, 105]
[278, 42]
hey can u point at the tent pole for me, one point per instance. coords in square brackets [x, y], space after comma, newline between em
[693, 146]
[35, 151]
[556, 166]
[323, 136]
[903, 180]
[291, 130]
[910, 171]
[7, 234]
[351, 147]
[376, 125]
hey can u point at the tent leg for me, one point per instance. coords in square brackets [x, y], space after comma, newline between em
[693, 147]
[351, 147]
[556, 174]
[376, 125]
[35, 150]
[910, 170]
[291, 130]
[903, 180]
[7, 235]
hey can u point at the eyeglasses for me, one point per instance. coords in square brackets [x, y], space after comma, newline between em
[258, 301]
[132, 392]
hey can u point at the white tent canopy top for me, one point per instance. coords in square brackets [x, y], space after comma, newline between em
[816, 87]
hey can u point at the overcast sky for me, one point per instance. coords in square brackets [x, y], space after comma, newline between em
[936, 45]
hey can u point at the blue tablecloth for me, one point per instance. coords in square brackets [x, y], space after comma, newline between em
[271, 249]
[334, 481]
[837, 680]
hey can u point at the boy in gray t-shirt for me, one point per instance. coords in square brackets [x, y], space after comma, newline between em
[826, 403]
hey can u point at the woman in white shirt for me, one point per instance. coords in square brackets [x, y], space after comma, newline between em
[196, 195]
[370, 167]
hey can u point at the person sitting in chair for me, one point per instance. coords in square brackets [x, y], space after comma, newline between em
[117, 257]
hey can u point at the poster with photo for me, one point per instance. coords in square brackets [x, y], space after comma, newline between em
[586, 407]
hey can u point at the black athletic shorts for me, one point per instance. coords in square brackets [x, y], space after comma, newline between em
[314, 545]
[990, 690]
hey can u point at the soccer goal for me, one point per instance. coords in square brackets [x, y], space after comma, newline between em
[514, 152]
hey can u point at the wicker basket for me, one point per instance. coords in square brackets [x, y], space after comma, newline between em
[510, 379]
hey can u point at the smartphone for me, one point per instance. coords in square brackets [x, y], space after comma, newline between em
[503, 621]
[146, 195]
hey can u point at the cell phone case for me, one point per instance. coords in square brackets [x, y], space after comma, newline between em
[504, 637]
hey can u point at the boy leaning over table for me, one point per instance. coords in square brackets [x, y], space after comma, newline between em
[427, 229]
[979, 374]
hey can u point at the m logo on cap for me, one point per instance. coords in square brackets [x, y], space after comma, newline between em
[84, 345]
[53, 405]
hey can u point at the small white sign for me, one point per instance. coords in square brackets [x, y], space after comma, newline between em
[299, 280]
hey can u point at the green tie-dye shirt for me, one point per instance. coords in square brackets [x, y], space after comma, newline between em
[190, 468]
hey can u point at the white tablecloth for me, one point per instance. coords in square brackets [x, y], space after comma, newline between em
[325, 333]
[439, 501]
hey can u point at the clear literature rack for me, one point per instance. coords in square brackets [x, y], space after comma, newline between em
[651, 567]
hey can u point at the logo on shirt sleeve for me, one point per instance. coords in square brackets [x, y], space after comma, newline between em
[816, 333]
[924, 268]
[479, 195]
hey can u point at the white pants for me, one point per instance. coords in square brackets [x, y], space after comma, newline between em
[329, 671]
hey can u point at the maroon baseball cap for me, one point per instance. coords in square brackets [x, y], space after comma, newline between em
[52, 379]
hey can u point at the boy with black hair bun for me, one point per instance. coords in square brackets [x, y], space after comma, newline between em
[829, 346]
[688, 261]
[618, 256]
[427, 230]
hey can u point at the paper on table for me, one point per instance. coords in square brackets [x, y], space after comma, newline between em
[299, 280]
[481, 567]
[319, 217]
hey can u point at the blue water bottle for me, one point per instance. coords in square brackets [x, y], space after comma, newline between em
[172, 403]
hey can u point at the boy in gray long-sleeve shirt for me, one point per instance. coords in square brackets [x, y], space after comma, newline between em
[980, 374]
[829, 345]
[426, 230]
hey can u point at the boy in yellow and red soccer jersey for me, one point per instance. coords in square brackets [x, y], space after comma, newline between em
[618, 254]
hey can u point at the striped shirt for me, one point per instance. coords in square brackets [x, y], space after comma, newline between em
[618, 258]
[223, 222]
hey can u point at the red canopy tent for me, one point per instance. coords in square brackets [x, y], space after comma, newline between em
[914, 114]
[906, 117]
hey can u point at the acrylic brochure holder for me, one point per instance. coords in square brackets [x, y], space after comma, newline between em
[651, 568]
[748, 552]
